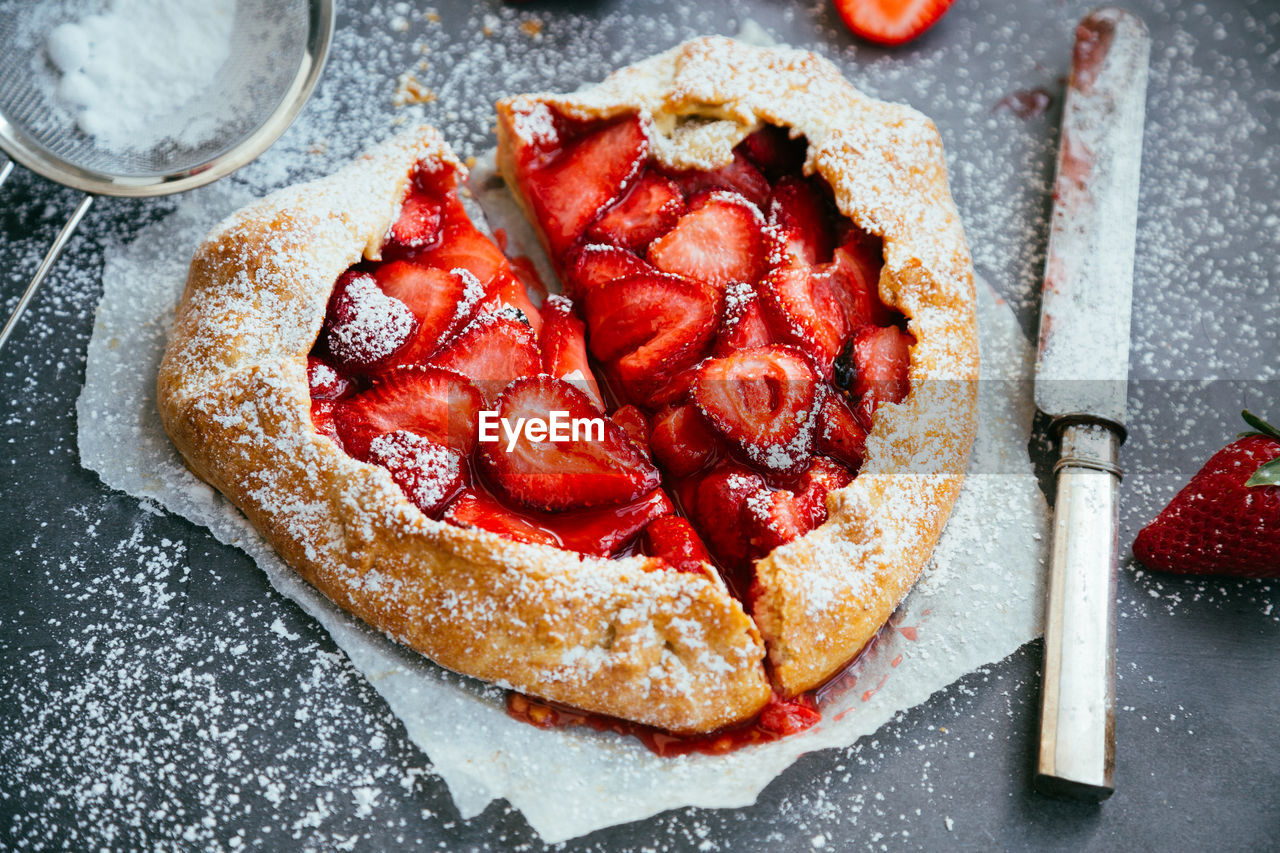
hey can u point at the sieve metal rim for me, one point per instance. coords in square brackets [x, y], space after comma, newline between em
[23, 149]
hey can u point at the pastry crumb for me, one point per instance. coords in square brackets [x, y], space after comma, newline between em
[411, 90]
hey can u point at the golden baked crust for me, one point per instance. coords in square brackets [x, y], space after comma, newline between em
[624, 637]
[823, 597]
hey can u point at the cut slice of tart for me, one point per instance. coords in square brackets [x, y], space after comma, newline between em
[771, 270]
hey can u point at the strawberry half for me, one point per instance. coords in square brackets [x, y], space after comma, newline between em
[682, 441]
[717, 505]
[418, 224]
[635, 424]
[429, 474]
[1227, 519]
[805, 310]
[595, 264]
[649, 327]
[840, 436]
[673, 539]
[764, 401]
[744, 323]
[563, 343]
[324, 382]
[853, 277]
[461, 246]
[738, 176]
[493, 351]
[364, 327]
[882, 358]
[508, 291]
[801, 215]
[720, 240]
[600, 532]
[649, 209]
[432, 402]
[890, 22]
[584, 178]
[478, 510]
[442, 302]
[821, 478]
[774, 518]
[322, 420]
[563, 475]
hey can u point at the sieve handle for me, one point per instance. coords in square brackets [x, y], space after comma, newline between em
[50, 258]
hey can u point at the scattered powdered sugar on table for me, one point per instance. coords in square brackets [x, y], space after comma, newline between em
[127, 71]
[143, 609]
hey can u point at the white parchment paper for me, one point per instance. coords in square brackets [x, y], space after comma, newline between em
[978, 602]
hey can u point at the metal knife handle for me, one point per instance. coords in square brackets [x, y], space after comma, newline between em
[1078, 699]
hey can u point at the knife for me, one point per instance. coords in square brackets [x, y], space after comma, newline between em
[1081, 382]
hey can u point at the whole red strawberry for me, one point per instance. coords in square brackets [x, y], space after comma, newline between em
[1227, 519]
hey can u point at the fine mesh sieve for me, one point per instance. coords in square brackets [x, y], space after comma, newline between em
[276, 52]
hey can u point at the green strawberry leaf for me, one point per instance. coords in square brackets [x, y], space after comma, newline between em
[1267, 475]
[1260, 427]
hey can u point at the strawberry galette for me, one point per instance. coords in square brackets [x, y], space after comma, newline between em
[690, 487]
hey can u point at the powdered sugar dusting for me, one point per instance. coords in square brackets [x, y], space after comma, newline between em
[372, 325]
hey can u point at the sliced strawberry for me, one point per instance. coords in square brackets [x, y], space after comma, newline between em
[442, 301]
[322, 419]
[672, 391]
[882, 356]
[604, 531]
[744, 323]
[774, 152]
[635, 424]
[853, 278]
[325, 382]
[418, 224]
[717, 507]
[493, 351]
[595, 264]
[584, 178]
[682, 441]
[564, 348]
[719, 241]
[764, 401]
[806, 312]
[785, 717]
[649, 327]
[365, 327]
[811, 488]
[774, 518]
[429, 401]
[802, 216]
[649, 209]
[673, 539]
[890, 22]
[428, 473]
[461, 246]
[479, 510]
[563, 475]
[738, 176]
[840, 436]
[508, 291]
[600, 532]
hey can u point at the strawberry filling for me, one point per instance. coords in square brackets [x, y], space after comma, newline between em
[722, 329]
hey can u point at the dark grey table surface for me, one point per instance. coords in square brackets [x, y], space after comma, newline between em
[156, 692]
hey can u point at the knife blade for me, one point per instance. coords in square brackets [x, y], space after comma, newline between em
[1081, 381]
